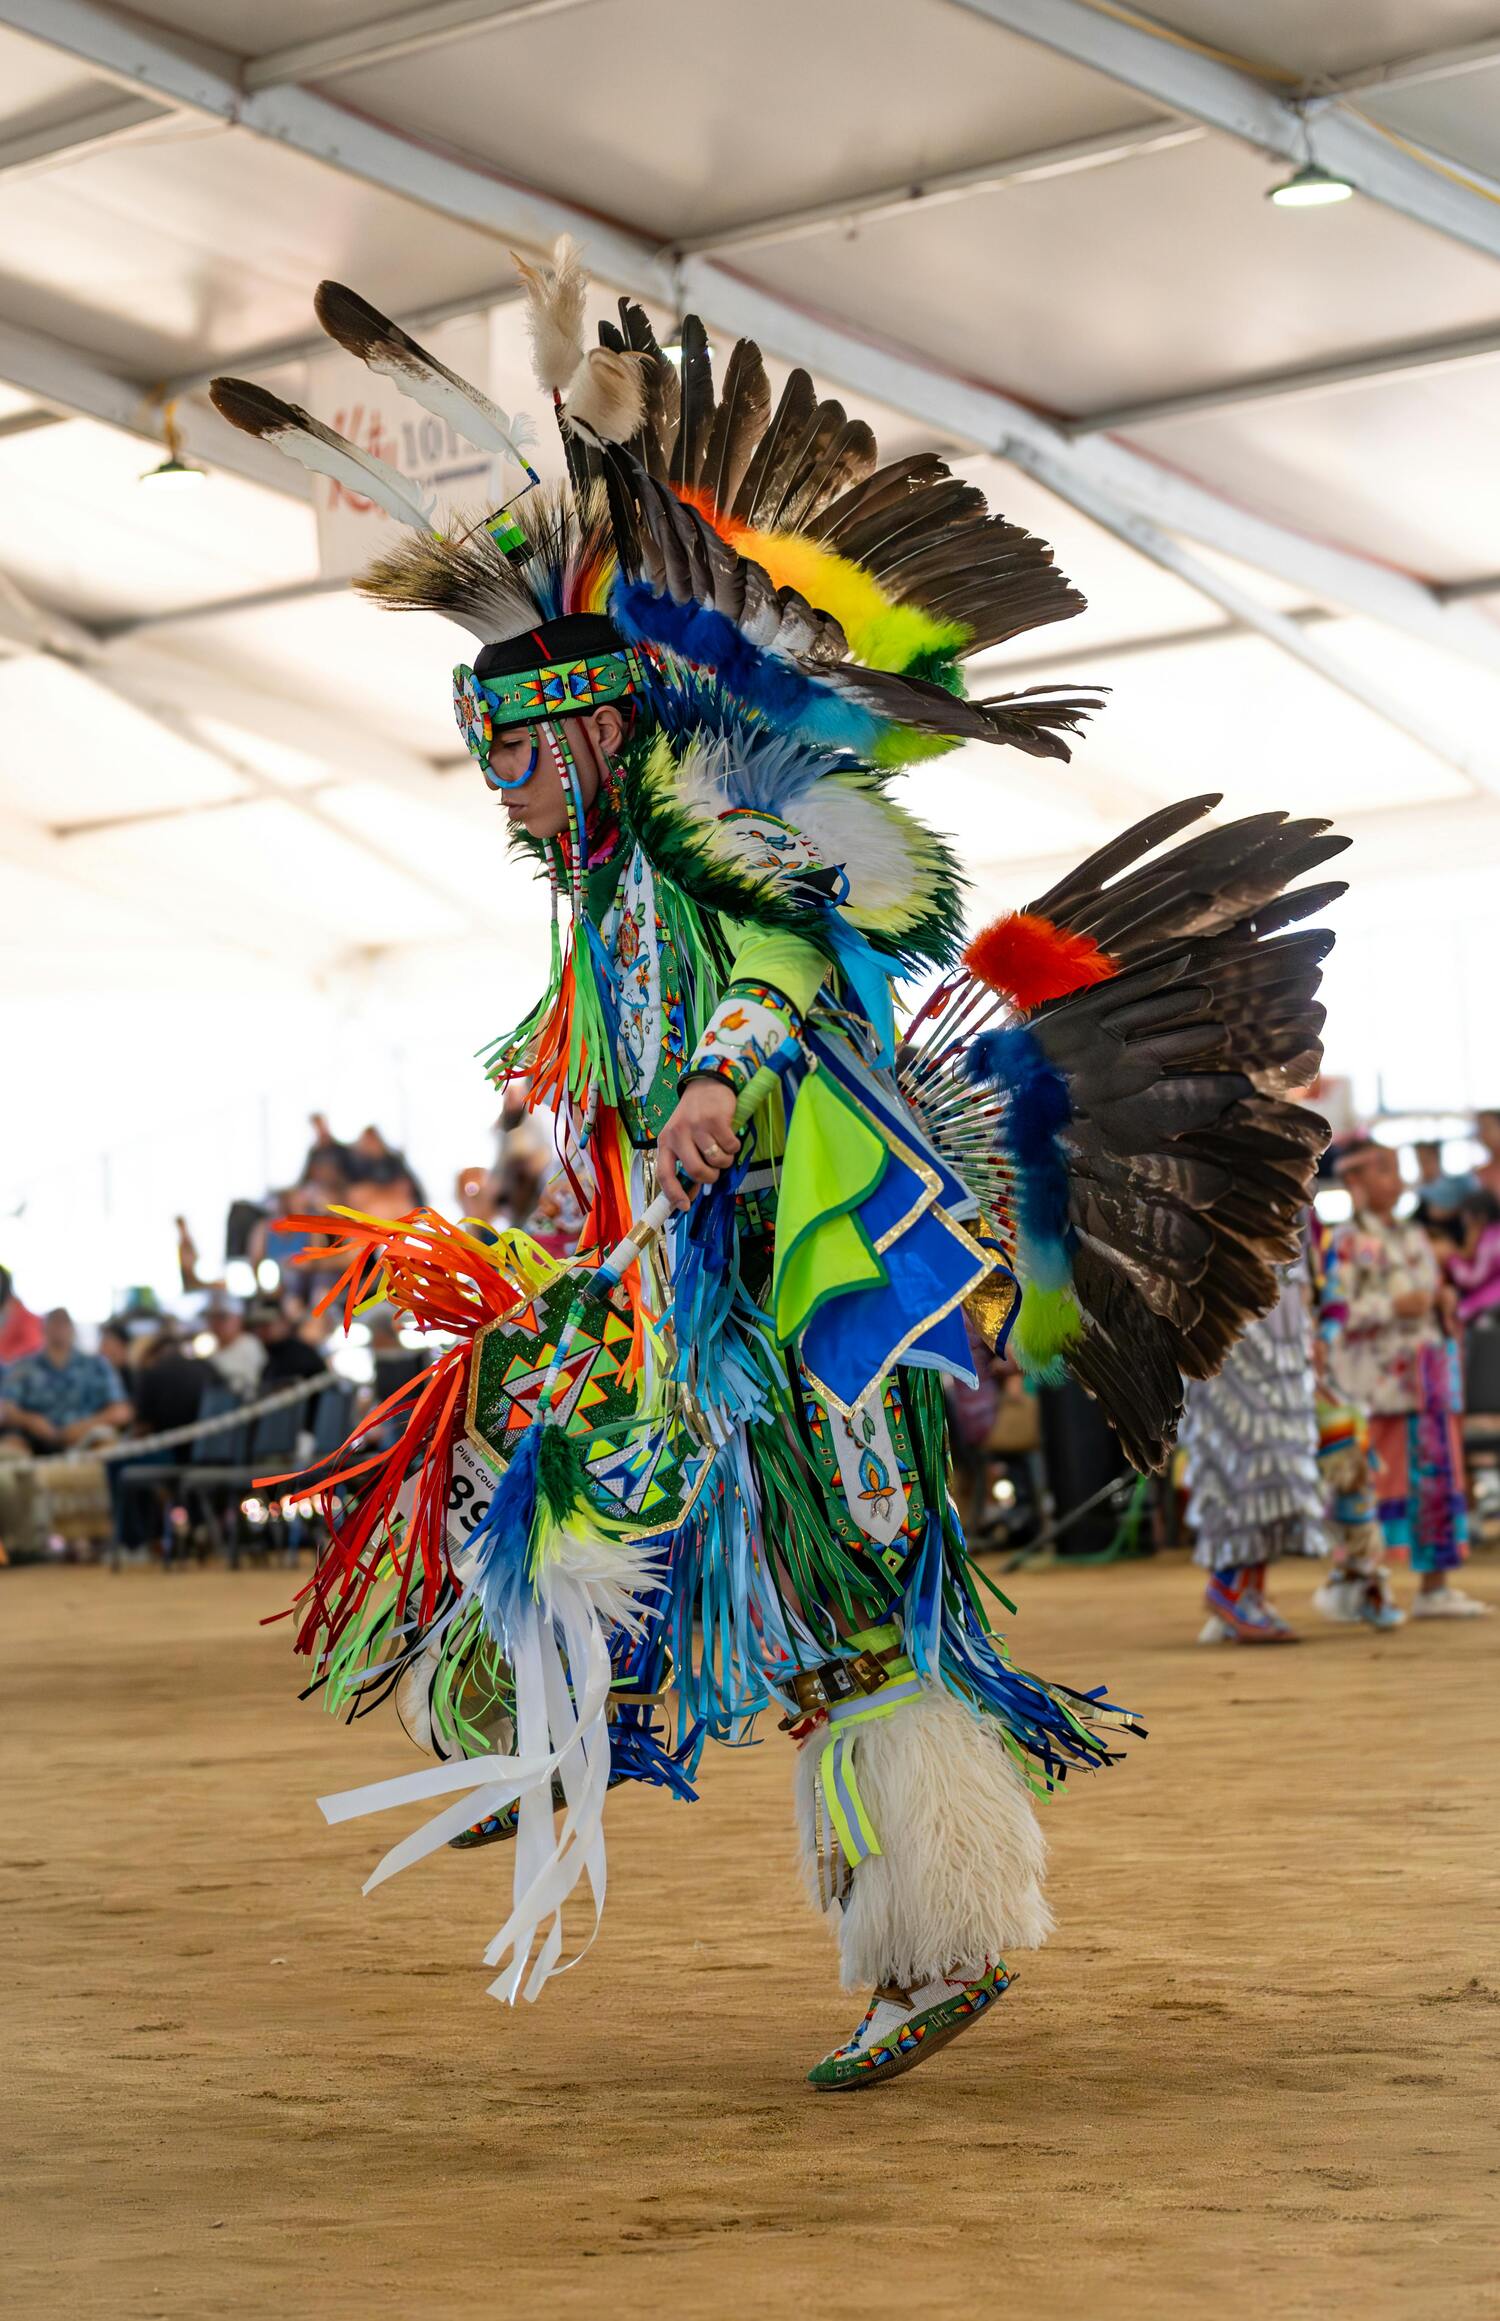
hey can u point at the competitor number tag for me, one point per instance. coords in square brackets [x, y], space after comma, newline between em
[468, 1495]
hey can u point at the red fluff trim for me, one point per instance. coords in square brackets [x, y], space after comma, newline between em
[1031, 960]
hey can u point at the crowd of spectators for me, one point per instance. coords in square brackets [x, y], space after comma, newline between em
[150, 1371]
[250, 1325]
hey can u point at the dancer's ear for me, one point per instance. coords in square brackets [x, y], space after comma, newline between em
[608, 729]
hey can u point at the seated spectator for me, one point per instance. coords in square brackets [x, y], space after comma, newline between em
[238, 1356]
[384, 1183]
[519, 1188]
[373, 1161]
[288, 1354]
[1474, 1268]
[59, 1399]
[116, 1347]
[20, 1329]
[328, 1166]
[171, 1382]
[476, 1195]
[273, 1238]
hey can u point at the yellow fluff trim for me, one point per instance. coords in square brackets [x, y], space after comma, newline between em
[906, 745]
[881, 633]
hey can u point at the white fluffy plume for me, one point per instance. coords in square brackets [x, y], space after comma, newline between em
[606, 398]
[555, 295]
[958, 1878]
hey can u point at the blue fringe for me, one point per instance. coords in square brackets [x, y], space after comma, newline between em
[949, 1644]
[729, 1626]
[636, 1754]
[637, 1750]
[719, 1330]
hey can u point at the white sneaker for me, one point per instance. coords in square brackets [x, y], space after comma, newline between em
[1339, 1599]
[1448, 1603]
[1215, 1631]
[1358, 1599]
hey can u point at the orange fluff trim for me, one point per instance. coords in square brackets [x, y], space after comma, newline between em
[1031, 960]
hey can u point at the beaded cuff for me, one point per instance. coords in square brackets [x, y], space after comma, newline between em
[750, 1023]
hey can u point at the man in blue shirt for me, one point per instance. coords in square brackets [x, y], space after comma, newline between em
[54, 1400]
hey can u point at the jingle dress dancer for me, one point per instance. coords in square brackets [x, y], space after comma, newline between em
[699, 1474]
[1251, 1441]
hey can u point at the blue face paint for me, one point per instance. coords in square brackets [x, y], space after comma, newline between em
[517, 781]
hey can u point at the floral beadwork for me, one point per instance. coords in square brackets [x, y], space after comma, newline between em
[749, 1024]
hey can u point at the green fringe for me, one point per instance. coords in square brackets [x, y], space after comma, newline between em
[592, 1062]
[825, 1576]
[472, 1684]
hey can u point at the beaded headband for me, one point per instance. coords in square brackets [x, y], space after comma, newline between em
[481, 705]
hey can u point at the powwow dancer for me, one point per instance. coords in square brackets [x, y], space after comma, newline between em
[1389, 1354]
[1358, 1586]
[1251, 1442]
[702, 1474]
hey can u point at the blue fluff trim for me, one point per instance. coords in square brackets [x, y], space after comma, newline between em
[503, 1542]
[759, 680]
[1037, 1108]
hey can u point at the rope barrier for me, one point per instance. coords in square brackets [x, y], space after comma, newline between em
[133, 1446]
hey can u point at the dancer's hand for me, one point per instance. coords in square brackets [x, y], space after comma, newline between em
[699, 1140]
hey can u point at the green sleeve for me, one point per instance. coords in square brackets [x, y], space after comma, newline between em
[771, 955]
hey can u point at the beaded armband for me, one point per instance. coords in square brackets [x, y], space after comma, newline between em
[747, 1027]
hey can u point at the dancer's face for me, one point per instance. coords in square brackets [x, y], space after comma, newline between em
[540, 805]
[1375, 1181]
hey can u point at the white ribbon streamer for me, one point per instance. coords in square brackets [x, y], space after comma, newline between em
[562, 1728]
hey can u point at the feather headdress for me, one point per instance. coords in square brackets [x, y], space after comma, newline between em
[385, 348]
[321, 450]
[563, 565]
[555, 296]
[760, 553]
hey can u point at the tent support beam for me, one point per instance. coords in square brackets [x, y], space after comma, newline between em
[1433, 354]
[1086, 474]
[1224, 97]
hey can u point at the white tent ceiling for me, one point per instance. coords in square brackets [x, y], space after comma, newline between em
[1031, 231]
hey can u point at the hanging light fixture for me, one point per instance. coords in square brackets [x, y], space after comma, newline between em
[1309, 188]
[672, 347]
[174, 470]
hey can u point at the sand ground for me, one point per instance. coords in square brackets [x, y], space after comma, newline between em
[1256, 2072]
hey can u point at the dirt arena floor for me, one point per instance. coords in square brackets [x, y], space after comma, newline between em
[1257, 2071]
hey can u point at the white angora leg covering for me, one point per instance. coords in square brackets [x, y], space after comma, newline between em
[958, 1879]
